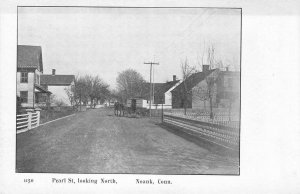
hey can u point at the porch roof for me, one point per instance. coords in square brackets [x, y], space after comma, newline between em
[41, 89]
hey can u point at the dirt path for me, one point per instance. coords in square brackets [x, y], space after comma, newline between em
[98, 142]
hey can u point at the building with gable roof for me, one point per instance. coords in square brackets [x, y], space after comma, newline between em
[29, 70]
[193, 90]
[33, 87]
[161, 95]
[58, 84]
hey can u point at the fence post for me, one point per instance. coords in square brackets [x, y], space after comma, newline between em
[162, 113]
[38, 118]
[29, 119]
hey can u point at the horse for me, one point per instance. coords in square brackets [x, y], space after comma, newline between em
[116, 107]
[119, 109]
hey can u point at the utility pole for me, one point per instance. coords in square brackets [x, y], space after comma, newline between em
[151, 63]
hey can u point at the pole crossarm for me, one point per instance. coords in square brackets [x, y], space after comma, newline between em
[151, 63]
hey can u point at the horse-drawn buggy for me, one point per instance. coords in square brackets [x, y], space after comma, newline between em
[133, 107]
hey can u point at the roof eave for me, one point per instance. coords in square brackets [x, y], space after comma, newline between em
[42, 89]
[64, 84]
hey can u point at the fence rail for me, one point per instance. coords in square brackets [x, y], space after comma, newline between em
[221, 117]
[225, 134]
[28, 121]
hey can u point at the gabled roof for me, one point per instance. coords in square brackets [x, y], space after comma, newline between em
[30, 57]
[57, 80]
[159, 90]
[164, 87]
[192, 81]
[42, 89]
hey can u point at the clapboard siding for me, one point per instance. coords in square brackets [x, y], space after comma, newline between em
[26, 87]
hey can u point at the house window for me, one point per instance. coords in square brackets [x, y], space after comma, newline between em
[24, 96]
[24, 77]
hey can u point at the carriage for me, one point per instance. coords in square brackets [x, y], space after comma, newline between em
[133, 107]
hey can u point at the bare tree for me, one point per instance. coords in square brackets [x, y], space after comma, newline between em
[200, 92]
[87, 88]
[129, 84]
[75, 93]
[100, 91]
[52, 99]
[185, 92]
[70, 93]
[93, 85]
[208, 56]
[211, 82]
[89, 81]
[80, 91]
[208, 90]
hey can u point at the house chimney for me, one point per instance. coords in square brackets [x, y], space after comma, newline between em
[174, 78]
[53, 71]
[205, 68]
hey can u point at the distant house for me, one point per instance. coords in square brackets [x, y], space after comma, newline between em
[162, 95]
[226, 89]
[58, 84]
[29, 70]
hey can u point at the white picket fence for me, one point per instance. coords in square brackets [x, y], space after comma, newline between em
[28, 121]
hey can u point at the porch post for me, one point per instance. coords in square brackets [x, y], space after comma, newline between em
[29, 119]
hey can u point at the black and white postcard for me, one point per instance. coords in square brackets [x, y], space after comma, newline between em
[132, 90]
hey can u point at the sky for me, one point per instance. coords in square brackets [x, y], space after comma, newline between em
[106, 41]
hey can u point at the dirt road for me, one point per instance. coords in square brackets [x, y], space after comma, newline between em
[98, 142]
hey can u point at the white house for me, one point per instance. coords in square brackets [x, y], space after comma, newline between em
[29, 69]
[162, 95]
[35, 88]
[169, 87]
[58, 84]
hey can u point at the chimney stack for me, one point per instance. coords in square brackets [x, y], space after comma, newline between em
[174, 78]
[205, 68]
[53, 71]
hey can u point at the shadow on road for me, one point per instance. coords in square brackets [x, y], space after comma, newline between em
[214, 148]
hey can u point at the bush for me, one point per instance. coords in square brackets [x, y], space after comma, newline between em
[55, 112]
